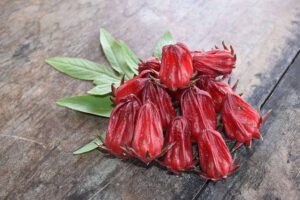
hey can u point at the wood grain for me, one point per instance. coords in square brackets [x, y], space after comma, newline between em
[37, 137]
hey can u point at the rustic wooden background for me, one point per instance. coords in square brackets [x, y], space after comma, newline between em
[37, 137]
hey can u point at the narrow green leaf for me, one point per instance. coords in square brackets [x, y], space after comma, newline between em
[108, 43]
[103, 85]
[118, 54]
[96, 105]
[80, 68]
[102, 89]
[166, 39]
[90, 146]
[132, 60]
[130, 53]
[106, 79]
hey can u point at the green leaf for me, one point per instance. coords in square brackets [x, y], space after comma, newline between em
[118, 54]
[104, 83]
[166, 39]
[106, 79]
[102, 89]
[80, 68]
[130, 54]
[109, 46]
[132, 60]
[90, 146]
[96, 105]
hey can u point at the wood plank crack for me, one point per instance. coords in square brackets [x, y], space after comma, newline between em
[279, 80]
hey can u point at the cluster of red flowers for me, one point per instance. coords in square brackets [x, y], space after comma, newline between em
[176, 102]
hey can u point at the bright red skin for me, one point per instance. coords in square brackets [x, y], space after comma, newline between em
[148, 137]
[162, 100]
[176, 68]
[241, 121]
[121, 125]
[150, 64]
[214, 63]
[180, 156]
[215, 159]
[217, 91]
[198, 108]
[132, 86]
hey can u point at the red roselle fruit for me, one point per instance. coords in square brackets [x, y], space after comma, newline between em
[241, 121]
[180, 156]
[217, 90]
[121, 125]
[215, 62]
[150, 64]
[132, 86]
[215, 159]
[176, 68]
[148, 137]
[198, 108]
[158, 95]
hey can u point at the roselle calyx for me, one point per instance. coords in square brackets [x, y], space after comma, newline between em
[241, 121]
[148, 137]
[160, 97]
[176, 67]
[180, 156]
[198, 108]
[132, 86]
[217, 90]
[121, 125]
[152, 63]
[215, 62]
[215, 159]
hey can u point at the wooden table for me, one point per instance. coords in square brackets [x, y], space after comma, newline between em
[38, 137]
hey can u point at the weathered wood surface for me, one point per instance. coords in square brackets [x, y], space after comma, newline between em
[37, 137]
[273, 169]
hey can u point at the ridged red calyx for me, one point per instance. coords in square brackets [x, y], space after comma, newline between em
[215, 158]
[121, 125]
[198, 108]
[148, 137]
[176, 68]
[159, 96]
[216, 62]
[180, 156]
[217, 90]
[241, 121]
[132, 86]
[150, 64]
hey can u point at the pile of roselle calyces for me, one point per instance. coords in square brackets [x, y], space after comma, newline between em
[181, 101]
